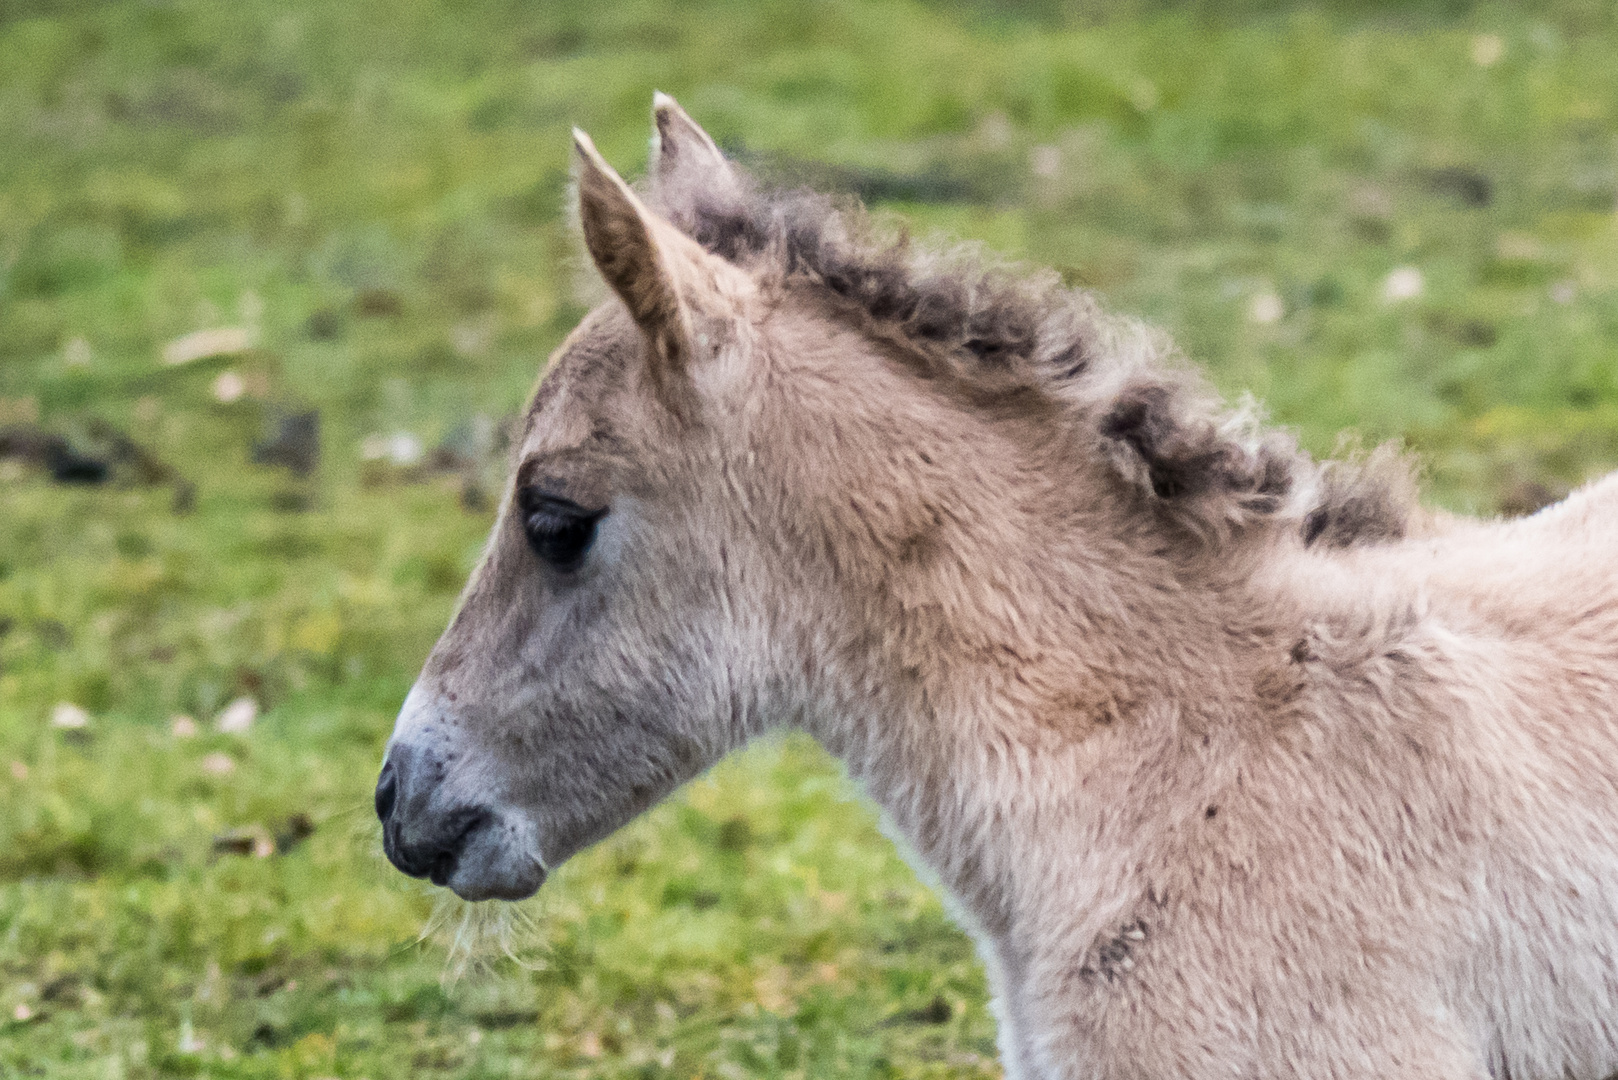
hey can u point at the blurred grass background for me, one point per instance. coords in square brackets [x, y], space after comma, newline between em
[1395, 219]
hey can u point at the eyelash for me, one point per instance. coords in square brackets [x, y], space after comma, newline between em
[560, 531]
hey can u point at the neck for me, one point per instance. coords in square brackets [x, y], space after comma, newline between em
[1030, 733]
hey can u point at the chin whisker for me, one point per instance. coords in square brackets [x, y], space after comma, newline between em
[477, 935]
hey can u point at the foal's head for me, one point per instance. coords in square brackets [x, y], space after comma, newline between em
[608, 646]
[779, 466]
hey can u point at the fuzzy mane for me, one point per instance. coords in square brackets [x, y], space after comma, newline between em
[1202, 467]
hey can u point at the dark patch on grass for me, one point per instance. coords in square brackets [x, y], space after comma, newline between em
[378, 304]
[735, 834]
[324, 324]
[937, 1011]
[420, 1003]
[52, 850]
[53, 635]
[501, 1020]
[293, 832]
[267, 1036]
[1471, 188]
[293, 442]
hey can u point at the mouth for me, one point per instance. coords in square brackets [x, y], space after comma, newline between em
[441, 867]
[477, 853]
[498, 859]
[510, 889]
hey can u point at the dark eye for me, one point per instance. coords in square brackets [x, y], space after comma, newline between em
[559, 531]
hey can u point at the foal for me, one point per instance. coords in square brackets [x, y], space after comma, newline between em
[1234, 764]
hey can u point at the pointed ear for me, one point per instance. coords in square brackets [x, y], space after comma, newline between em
[688, 170]
[675, 291]
[621, 235]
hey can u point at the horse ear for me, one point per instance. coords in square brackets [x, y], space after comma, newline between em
[661, 275]
[688, 169]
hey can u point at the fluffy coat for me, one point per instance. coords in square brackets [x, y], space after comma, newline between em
[1235, 764]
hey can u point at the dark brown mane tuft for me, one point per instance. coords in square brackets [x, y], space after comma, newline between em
[1363, 502]
[1188, 456]
[1212, 473]
[997, 317]
[1199, 464]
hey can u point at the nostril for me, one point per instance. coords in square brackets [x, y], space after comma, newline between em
[433, 857]
[387, 790]
[443, 861]
[460, 826]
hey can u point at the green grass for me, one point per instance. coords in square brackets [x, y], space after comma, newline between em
[378, 188]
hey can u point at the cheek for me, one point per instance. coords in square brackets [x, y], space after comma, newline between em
[656, 624]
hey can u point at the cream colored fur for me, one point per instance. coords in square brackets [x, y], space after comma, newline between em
[1225, 805]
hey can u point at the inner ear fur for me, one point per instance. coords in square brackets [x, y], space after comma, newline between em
[673, 289]
[621, 235]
